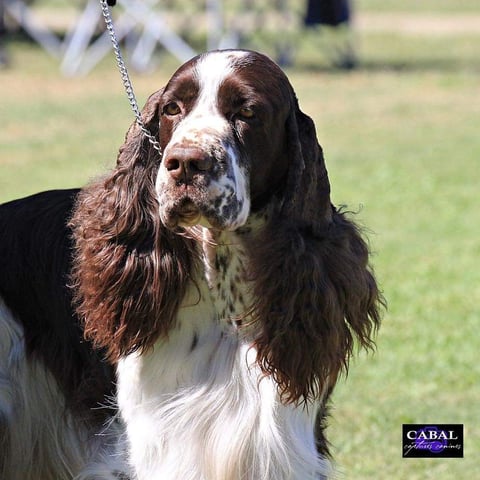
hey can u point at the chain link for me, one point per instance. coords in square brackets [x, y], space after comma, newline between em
[127, 84]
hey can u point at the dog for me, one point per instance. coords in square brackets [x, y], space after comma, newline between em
[187, 315]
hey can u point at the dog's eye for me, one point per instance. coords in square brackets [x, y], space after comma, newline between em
[171, 109]
[246, 113]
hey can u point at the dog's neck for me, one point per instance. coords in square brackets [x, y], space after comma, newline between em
[225, 261]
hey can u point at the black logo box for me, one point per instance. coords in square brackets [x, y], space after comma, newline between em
[432, 440]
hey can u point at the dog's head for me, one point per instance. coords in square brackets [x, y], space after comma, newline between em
[231, 134]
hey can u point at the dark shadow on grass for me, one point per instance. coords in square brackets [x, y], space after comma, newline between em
[439, 65]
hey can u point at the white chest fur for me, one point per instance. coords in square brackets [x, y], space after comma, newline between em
[196, 406]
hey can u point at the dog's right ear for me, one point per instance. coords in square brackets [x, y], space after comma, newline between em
[129, 274]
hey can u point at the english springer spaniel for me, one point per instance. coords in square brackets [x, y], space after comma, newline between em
[184, 317]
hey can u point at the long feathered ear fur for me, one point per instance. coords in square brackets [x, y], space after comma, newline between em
[315, 292]
[129, 273]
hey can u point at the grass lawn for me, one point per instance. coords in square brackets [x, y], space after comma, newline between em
[401, 137]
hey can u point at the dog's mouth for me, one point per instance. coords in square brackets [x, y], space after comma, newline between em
[188, 214]
[185, 214]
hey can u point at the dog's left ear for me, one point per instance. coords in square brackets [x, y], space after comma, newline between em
[307, 194]
[314, 290]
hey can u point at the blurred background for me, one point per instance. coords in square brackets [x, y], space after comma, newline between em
[394, 89]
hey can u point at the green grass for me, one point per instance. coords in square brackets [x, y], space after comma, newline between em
[402, 145]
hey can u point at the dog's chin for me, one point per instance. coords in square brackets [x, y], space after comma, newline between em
[188, 214]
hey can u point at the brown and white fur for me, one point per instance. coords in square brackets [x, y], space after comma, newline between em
[184, 317]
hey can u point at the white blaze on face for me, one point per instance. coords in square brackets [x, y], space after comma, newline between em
[212, 70]
[205, 120]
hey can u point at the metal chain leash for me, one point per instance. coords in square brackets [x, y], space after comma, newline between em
[125, 77]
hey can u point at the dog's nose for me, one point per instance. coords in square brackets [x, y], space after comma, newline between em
[183, 163]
